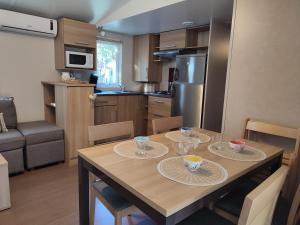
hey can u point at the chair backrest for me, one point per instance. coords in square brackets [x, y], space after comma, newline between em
[259, 205]
[294, 215]
[273, 129]
[111, 131]
[166, 124]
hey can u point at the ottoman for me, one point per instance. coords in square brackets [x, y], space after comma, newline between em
[4, 184]
[44, 143]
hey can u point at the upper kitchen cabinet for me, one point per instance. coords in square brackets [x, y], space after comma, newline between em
[178, 39]
[146, 65]
[77, 33]
[75, 36]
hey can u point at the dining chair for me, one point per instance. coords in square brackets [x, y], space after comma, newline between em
[230, 205]
[166, 124]
[257, 126]
[110, 198]
[294, 214]
[258, 207]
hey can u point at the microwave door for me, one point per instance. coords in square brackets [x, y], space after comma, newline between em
[78, 60]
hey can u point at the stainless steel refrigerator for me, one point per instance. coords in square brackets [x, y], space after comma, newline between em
[188, 88]
[198, 91]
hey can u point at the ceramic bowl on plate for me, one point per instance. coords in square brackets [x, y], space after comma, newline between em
[186, 131]
[193, 162]
[237, 145]
[141, 142]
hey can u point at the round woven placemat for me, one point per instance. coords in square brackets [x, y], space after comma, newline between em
[128, 149]
[196, 138]
[248, 154]
[210, 173]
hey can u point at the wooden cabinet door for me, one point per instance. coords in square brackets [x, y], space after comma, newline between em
[105, 114]
[132, 108]
[77, 33]
[173, 40]
[141, 58]
[74, 113]
[158, 107]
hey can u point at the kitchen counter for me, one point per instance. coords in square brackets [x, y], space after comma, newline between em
[127, 93]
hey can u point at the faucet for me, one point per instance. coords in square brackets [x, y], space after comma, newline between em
[122, 87]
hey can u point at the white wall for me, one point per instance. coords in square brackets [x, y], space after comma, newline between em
[264, 71]
[25, 61]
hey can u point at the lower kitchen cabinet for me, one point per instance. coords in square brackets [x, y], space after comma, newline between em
[111, 109]
[105, 114]
[158, 107]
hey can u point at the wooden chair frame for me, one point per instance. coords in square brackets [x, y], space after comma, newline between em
[108, 132]
[294, 215]
[259, 205]
[166, 124]
[276, 130]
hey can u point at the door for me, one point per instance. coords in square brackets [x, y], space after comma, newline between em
[188, 89]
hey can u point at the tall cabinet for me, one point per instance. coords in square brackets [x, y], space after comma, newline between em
[70, 107]
[146, 68]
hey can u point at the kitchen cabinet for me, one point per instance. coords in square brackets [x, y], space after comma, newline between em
[111, 109]
[106, 109]
[74, 36]
[69, 107]
[158, 107]
[146, 65]
[178, 39]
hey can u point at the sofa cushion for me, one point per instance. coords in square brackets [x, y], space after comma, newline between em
[7, 107]
[40, 131]
[11, 140]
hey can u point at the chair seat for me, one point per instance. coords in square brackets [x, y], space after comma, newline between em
[40, 132]
[205, 217]
[114, 198]
[11, 140]
[233, 202]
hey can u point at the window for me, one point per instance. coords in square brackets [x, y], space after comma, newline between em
[109, 63]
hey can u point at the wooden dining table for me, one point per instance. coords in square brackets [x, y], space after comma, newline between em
[165, 201]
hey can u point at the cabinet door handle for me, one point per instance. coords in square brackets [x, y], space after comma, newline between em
[158, 101]
[81, 43]
[157, 115]
[169, 46]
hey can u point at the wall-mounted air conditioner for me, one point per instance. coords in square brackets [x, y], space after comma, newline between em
[23, 23]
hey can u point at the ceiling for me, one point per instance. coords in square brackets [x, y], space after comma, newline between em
[84, 10]
[155, 21]
[172, 16]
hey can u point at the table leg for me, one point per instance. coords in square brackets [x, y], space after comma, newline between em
[83, 180]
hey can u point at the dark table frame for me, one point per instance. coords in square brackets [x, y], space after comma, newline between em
[84, 167]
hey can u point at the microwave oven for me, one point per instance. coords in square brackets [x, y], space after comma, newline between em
[79, 60]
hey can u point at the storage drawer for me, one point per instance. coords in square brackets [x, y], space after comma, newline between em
[159, 106]
[79, 34]
[106, 100]
[173, 39]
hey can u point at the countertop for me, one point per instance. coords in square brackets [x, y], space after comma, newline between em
[127, 93]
